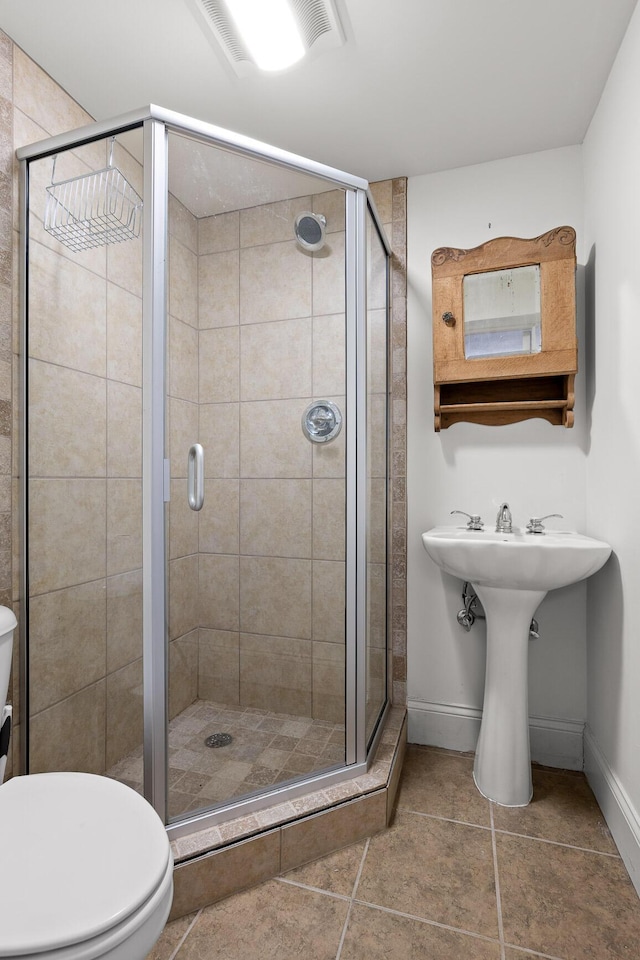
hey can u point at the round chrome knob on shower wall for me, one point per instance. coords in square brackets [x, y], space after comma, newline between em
[321, 421]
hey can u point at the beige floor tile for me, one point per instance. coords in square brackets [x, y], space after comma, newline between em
[171, 937]
[441, 784]
[336, 873]
[275, 921]
[563, 809]
[435, 870]
[377, 935]
[567, 903]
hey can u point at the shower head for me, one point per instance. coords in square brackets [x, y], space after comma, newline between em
[309, 229]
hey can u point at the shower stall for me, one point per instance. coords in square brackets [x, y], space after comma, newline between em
[204, 468]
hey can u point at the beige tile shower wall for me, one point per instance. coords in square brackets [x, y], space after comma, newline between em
[272, 529]
[85, 507]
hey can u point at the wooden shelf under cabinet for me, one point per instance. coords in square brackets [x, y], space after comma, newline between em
[498, 402]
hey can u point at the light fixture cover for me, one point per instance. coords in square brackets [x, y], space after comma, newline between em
[317, 21]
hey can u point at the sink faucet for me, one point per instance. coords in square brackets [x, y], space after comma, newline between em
[504, 519]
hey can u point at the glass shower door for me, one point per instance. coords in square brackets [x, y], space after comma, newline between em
[256, 571]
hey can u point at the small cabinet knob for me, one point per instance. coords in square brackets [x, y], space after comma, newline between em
[449, 319]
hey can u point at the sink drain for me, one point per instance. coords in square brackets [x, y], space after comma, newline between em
[218, 740]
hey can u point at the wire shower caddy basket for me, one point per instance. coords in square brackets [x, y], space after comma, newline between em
[93, 209]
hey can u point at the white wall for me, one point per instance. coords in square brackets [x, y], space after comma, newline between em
[536, 467]
[612, 235]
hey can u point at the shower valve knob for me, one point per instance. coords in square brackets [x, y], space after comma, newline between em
[321, 421]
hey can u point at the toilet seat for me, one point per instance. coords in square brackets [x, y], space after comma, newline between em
[85, 863]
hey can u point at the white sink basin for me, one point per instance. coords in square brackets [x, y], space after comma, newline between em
[518, 561]
[511, 573]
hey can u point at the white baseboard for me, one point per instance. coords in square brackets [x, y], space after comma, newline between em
[554, 742]
[621, 816]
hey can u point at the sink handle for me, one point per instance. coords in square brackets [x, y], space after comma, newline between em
[474, 523]
[536, 525]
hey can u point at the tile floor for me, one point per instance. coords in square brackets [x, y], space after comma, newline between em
[455, 876]
[266, 748]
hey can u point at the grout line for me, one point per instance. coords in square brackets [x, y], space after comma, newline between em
[352, 898]
[344, 930]
[360, 868]
[432, 923]
[559, 843]
[306, 886]
[433, 816]
[497, 883]
[185, 935]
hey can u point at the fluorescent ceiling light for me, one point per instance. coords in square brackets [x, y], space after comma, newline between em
[269, 32]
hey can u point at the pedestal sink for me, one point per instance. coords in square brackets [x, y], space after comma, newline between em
[511, 573]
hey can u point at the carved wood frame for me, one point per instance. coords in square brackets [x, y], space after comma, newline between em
[555, 252]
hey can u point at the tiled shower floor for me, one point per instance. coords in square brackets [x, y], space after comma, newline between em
[266, 748]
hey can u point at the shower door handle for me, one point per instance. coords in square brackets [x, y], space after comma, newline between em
[195, 473]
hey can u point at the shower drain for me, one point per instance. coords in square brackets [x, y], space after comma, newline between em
[218, 740]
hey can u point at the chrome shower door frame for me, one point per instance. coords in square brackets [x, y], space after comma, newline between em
[157, 123]
[155, 467]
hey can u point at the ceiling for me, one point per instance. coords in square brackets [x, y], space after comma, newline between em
[420, 85]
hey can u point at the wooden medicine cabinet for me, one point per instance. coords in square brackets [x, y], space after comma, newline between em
[504, 330]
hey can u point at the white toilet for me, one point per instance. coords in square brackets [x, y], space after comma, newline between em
[86, 869]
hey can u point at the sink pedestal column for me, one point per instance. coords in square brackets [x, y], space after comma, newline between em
[502, 769]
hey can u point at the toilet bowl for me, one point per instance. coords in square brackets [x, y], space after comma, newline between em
[86, 869]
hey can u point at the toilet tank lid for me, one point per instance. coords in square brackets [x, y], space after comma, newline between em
[80, 853]
[7, 620]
